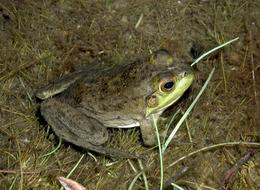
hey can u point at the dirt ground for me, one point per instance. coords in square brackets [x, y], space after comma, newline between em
[42, 40]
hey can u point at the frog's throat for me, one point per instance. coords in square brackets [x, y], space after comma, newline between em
[153, 111]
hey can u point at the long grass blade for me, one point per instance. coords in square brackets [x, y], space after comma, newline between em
[160, 152]
[169, 139]
[212, 50]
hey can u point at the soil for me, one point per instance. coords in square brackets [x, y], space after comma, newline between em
[43, 40]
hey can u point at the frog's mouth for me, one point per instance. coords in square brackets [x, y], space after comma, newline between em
[162, 99]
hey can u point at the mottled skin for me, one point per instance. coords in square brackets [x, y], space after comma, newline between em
[113, 96]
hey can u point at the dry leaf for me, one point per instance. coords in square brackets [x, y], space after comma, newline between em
[69, 184]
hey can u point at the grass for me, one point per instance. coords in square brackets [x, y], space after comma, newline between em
[60, 38]
[207, 148]
[74, 168]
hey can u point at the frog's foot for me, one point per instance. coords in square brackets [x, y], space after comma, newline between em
[77, 128]
[60, 85]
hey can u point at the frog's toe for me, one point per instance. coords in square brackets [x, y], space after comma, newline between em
[59, 85]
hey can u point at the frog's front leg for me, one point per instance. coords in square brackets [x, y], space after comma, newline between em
[148, 132]
[72, 125]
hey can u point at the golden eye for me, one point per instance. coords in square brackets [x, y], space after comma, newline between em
[166, 85]
[152, 101]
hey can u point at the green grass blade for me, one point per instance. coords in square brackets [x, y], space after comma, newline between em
[160, 152]
[169, 124]
[212, 50]
[134, 180]
[187, 112]
[74, 168]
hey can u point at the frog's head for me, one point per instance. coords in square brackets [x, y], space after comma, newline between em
[169, 83]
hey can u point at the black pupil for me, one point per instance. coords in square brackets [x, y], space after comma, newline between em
[168, 85]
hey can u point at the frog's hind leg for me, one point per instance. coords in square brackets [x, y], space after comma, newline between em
[59, 85]
[77, 128]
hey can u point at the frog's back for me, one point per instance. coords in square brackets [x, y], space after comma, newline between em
[116, 88]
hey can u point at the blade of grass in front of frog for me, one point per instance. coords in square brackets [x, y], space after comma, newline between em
[169, 124]
[169, 139]
[48, 155]
[212, 50]
[160, 151]
[53, 151]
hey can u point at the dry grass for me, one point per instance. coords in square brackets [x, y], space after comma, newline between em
[40, 41]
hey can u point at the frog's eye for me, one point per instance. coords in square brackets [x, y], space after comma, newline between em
[166, 85]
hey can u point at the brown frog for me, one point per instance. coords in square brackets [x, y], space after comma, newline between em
[81, 105]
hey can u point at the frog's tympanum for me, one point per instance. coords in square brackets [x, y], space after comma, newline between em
[81, 105]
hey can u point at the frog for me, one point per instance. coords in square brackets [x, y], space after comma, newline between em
[81, 106]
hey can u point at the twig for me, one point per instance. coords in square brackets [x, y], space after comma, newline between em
[139, 21]
[173, 179]
[212, 147]
[15, 171]
[198, 186]
[230, 173]
[254, 80]
[223, 71]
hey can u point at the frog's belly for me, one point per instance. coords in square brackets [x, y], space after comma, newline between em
[121, 123]
[117, 120]
[114, 119]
